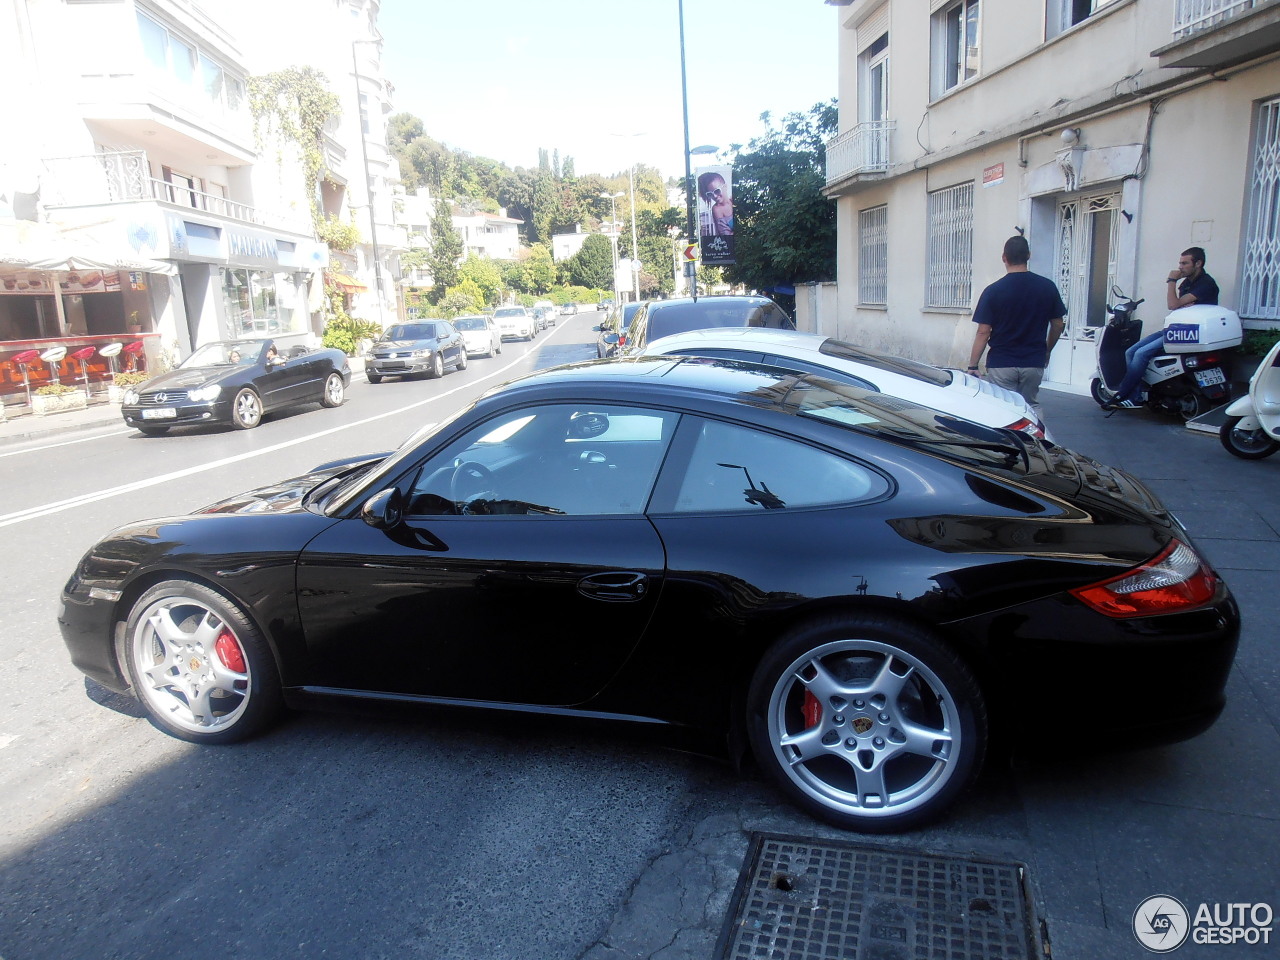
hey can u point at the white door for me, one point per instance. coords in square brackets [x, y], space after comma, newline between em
[1085, 257]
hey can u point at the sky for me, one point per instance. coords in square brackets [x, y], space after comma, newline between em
[599, 80]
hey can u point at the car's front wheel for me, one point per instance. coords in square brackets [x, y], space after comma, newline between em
[867, 721]
[246, 409]
[334, 391]
[373, 377]
[199, 666]
[437, 366]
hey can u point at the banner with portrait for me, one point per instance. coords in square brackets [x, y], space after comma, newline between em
[715, 213]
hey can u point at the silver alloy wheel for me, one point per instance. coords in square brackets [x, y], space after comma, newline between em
[437, 366]
[179, 651]
[246, 409]
[886, 737]
[334, 391]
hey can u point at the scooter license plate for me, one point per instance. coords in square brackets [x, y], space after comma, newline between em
[1210, 377]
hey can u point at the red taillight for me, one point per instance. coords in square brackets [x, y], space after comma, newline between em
[1027, 426]
[622, 340]
[1175, 579]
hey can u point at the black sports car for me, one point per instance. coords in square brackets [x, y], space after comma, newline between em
[408, 349]
[237, 381]
[857, 587]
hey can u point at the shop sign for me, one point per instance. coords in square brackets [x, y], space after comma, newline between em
[244, 247]
[26, 283]
[993, 175]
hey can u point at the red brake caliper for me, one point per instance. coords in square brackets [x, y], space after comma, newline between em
[229, 652]
[812, 710]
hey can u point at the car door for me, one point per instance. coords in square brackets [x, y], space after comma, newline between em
[281, 384]
[525, 569]
[455, 346]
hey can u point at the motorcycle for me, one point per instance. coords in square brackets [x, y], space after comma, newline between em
[1188, 377]
[1252, 428]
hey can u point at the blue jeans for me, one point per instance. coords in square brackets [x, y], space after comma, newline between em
[1136, 359]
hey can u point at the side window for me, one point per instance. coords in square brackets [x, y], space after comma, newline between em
[747, 356]
[804, 366]
[735, 468]
[553, 460]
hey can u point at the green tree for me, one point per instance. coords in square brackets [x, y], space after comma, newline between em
[538, 270]
[592, 266]
[486, 274]
[446, 249]
[784, 228]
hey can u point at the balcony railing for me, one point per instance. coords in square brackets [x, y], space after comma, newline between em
[864, 149]
[1190, 16]
[125, 177]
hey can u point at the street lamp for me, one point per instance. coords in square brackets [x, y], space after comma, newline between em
[368, 186]
[613, 235]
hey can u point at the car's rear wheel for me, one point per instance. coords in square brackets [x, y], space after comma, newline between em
[246, 409]
[462, 361]
[198, 665]
[334, 391]
[1246, 444]
[867, 721]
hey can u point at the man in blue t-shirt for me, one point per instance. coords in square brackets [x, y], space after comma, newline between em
[1196, 287]
[1020, 317]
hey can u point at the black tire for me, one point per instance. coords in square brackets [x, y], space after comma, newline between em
[1246, 444]
[209, 676]
[1095, 390]
[151, 431]
[246, 409]
[373, 377]
[462, 362]
[498, 349]
[860, 709]
[437, 367]
[335, 391]
[1190, 405]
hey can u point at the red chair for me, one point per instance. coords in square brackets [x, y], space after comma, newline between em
[24, 360]
[136, 359]
[81, 357]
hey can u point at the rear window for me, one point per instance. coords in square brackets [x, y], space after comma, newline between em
[666, 319]
[882, 361]
[510, 312]
[470, 323]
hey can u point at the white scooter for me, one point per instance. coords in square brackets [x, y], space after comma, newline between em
[1252, 429]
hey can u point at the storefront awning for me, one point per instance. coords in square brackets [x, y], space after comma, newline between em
[42, 246]
[347, 284]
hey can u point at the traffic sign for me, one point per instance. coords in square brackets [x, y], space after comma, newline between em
[691, 253]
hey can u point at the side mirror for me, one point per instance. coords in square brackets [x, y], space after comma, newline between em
[596, 328]
[611, 338]
[384, 510]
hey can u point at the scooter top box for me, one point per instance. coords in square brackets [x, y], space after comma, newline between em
[1201, 327]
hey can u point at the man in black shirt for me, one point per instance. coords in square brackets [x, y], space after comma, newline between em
[1196, 286]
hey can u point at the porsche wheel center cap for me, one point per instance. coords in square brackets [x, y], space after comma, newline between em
[861, 725]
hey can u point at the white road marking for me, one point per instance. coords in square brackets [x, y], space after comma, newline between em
[66, 443]
[33, 513]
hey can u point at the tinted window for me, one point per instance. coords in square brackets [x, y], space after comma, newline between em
[510, 312]
[666, 319]
[409, 331]
[882, 361]
[804, 366]
[553, 460]
[470, 323]
[734, 468]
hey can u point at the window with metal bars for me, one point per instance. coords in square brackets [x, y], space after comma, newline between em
[873, 255]
[1260, 268]
[949, 278]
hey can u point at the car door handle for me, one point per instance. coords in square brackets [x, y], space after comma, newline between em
[617, 586]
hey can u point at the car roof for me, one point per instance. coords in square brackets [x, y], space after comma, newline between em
[763, 338]
[714, 298]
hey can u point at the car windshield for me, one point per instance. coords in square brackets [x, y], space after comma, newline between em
[882, 361]
[668, 318]
[411, 331]
[224, 353]
[906, 422]
[470, 323]
[510, 312]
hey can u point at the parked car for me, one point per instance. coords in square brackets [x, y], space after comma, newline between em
[515, 323]
[662, 318]
[236, 382]
[611, 334]
[569, 310]
[480, 334]
[943, 389]
[859, 588]
[541, 319]
[422, 347]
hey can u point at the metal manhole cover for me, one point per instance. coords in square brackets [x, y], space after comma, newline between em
[800, 899]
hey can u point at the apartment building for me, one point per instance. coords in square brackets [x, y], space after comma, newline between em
[493, 235]
[1112, 133]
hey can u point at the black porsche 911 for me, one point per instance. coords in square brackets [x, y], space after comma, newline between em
[237, 382]
[859, 589]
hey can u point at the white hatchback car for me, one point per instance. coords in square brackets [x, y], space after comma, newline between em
[480, 334]
[952, 391]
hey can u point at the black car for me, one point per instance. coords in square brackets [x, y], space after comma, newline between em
[421, 347]
[237, 382]
[612, 332]
[858, 588]
[662, 318]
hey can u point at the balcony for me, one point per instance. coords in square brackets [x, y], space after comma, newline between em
[859, 153]
[108, 178]
[1210, 34]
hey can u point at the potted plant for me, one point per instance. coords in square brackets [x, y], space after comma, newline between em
[122, 382]
[135, 325]
[57, 398]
